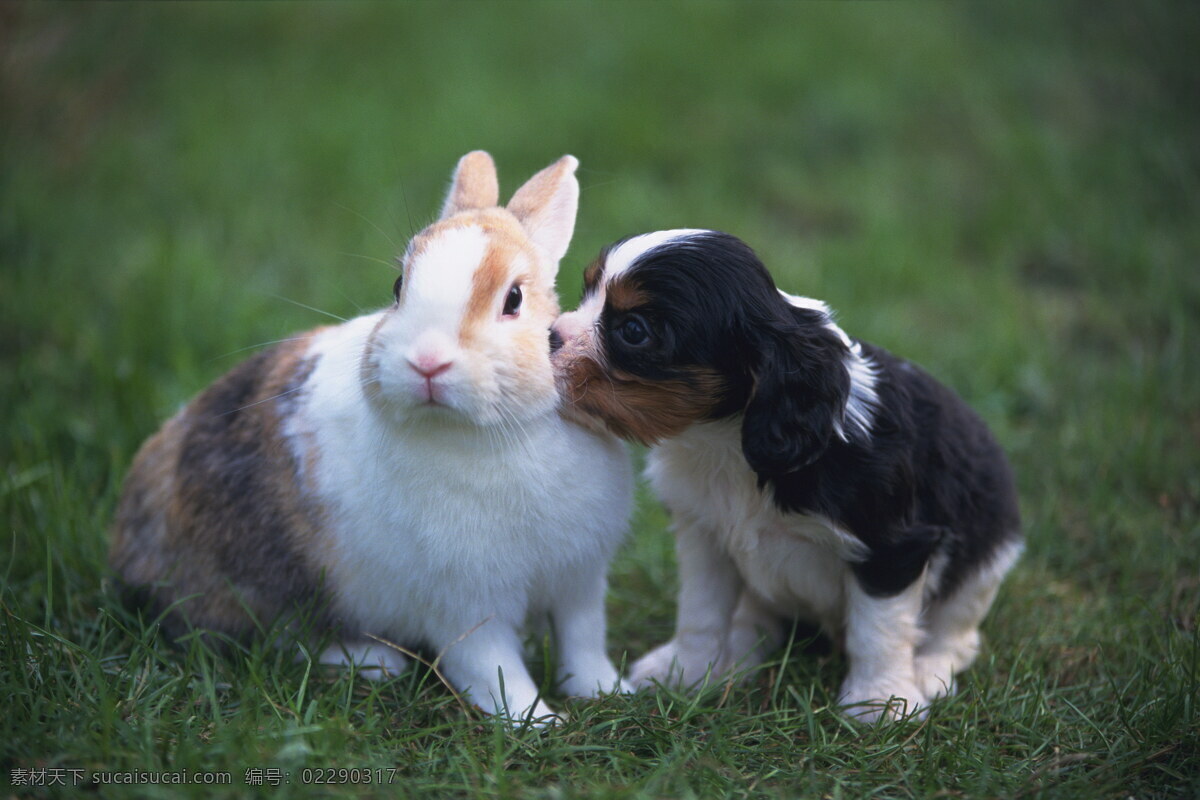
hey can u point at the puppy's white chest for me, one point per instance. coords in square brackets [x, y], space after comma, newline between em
[796, 563]
[790, 568]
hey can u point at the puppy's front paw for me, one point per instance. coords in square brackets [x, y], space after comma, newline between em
[935, 667]
[885, 698]
[657, 666]
[672, 665]
[935, 674]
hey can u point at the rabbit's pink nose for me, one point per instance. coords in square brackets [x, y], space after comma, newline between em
[430, 366]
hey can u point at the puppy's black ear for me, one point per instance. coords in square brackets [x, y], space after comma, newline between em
[800, 388]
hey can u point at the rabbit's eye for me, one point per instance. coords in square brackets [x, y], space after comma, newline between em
[396, 287]
[512, 303]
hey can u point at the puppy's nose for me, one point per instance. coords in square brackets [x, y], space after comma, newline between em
[556, 340]
[568, 326]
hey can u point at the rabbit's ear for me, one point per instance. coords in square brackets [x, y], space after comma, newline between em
[474, 185]
[546, 207]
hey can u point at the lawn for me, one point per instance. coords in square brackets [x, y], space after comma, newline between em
[1007, 194]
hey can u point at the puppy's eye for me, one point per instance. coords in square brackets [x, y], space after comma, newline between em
[633, 331]
[512, 303]
[396, 287]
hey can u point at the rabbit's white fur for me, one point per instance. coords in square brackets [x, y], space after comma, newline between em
[454, 534]
[409, 470]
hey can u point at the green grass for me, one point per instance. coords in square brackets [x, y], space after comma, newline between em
[1006, 194]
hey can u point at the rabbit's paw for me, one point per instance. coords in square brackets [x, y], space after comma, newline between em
[602, 680]
[372, 660]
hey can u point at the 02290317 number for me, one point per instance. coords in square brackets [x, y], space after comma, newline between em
[338, 775]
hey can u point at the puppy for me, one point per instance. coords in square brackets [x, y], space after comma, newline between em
[809, 475]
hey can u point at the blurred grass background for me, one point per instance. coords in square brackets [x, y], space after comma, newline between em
[1005, 193]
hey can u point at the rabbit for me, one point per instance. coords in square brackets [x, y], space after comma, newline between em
[405, 475]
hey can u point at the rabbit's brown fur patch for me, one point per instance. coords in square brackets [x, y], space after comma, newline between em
[215, 497]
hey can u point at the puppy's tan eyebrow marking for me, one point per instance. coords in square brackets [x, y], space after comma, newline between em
[593, 272]
[623, 295]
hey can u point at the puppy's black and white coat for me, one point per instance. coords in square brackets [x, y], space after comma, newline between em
[809, 475]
